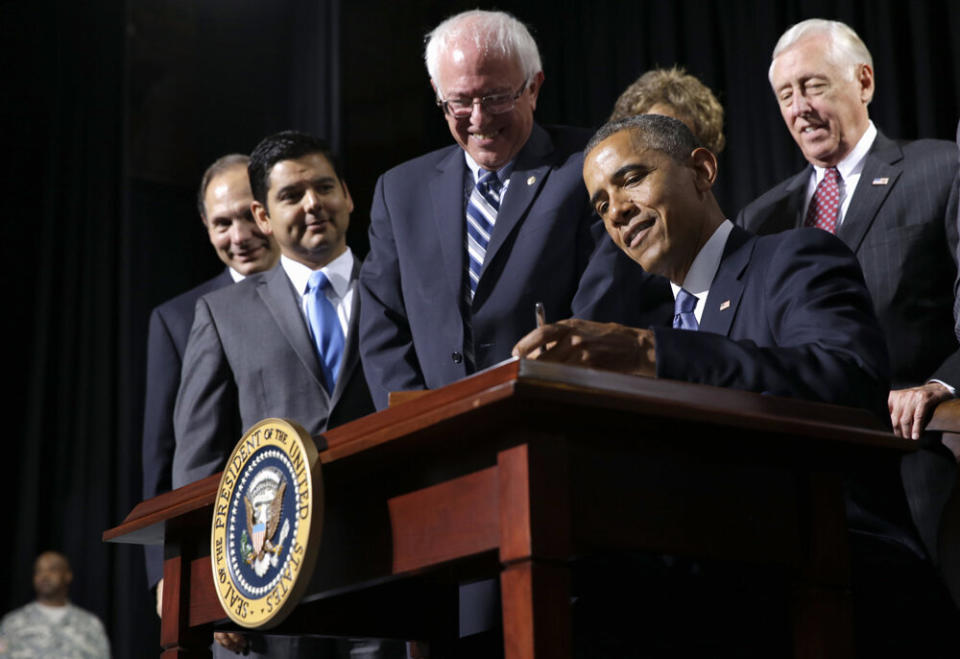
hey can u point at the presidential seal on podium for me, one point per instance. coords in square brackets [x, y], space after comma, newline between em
[267, 521]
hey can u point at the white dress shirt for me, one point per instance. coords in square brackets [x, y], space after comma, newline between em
[470, 181]
[849, 168]
[340, 292]
[704, 268]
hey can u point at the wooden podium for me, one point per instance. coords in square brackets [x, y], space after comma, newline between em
[522, 470]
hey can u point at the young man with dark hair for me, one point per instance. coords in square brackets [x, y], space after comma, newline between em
[282, 343]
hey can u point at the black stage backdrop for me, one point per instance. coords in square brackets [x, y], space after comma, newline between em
[112, 109]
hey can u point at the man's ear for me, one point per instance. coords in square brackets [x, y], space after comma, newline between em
[704, 165]
[865, 80]
[535, 86]
[261, 218]
[346, 194]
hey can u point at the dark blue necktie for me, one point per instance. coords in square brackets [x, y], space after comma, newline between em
[325, 328]
[683, 316]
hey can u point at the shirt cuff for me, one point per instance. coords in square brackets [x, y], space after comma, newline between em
[952, 390]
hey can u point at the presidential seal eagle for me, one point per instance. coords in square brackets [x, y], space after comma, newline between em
[264, 503]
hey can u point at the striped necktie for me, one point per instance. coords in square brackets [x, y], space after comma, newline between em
[325, 328]
[482, 209]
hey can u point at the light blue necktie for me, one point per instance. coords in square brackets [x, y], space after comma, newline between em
[683, 316]
[325, 328]
[482, 209]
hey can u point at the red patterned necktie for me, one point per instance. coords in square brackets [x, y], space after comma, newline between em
[824, 208]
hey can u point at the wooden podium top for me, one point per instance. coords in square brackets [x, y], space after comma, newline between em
[523, 389]
[522, 381]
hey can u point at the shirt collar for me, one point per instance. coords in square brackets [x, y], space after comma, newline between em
[235, 276]
[339, 271]
[503, 173]
[852, 164]
[705, 263]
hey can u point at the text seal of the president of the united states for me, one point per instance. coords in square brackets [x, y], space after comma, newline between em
[267, 519]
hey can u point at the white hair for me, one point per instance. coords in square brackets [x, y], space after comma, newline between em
[494, 32]
[847, 50]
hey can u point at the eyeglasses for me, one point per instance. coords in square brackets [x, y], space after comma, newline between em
[460, 108]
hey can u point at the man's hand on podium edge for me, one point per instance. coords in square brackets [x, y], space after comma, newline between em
[910, 409]
[605, 346]
[233, 641]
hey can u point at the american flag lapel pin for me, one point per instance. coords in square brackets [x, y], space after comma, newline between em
[881, 180]
[724, 305]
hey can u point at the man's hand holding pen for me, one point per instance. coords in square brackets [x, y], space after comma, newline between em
[605, 346]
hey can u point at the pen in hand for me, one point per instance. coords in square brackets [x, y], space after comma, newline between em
[541, 319]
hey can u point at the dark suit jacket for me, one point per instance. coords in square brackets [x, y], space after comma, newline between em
[796, 320]
[902, 226]
[904, 233]
[250, 356]
[166, 341]
[415, 327]
[786, 315]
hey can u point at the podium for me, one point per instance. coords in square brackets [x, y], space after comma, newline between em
[521, 471]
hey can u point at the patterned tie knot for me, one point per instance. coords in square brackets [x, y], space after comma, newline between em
[684, 316]
[686, 301]
[824, 209]
[489, 185]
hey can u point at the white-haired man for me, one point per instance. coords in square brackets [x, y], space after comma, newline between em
[895, 204]
[465, 240]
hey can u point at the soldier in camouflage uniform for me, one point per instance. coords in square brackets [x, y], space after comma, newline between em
[51, 626]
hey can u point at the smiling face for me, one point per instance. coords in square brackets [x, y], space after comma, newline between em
[650, 204]
[824, 109]
[230, 226]
[492, 140]
[308, 210]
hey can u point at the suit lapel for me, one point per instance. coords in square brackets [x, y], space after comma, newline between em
[278, 295]
[223, 279]
[526, 180]
[787, 213]
[723, 301]
[351, 351]
[446, 191]
[880, 164]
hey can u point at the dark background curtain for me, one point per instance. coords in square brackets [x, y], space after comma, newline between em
[112, 109]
